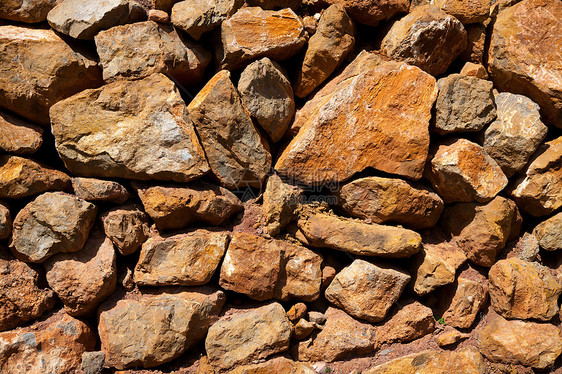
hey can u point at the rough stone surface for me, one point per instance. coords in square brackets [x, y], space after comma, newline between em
[365, 290]
[383, 200]
[19, 136]
[275, 4]
[280, 200]
[524, 54]
[57, 72]
[53, 222]
[450, 336]
[465, 299]
[92, 362]
[159, 16]
[471, 69]
[297, 312]
[428, 38]
[302, 329]
[26, 11]
[275, 365]
[476, 37]
[150, 330]
[92, 189]
[268, 96]
[516, 134]
[526, 248]
[371, 12]
[127, 227]
[200, 16]
[5, 222]
[461, 171]
[475, 11]
[411, 322]
[549, 233]
[144, 48]
[237, 154]
[135, 130]
[316, 153]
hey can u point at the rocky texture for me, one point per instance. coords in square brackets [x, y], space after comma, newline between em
[53, 222]
[411, 322]
[524, 54]
[475, 11]
[200, 16]
[5, 222]
[549, 233]
[92, 189]
[57, 72]
[371, 12]
[526, 248]
[280, 200]
[19, 136]
[476, 37]
[428, 38]
[464, 104]
[275, 365]
[255, 334]
[159, 16]
[302, 329]
[449, 336]
[267, 94]
[365, 290]
[26, 11]
[471, 69]
[92, 362]
[144, 48]
[236, 152]
[136, 130]
[461, 171]
[82, 280]
[465, 299]
[154, 329]
[177, 207]
[315, 155]
[327, 49]
[188, 259]
[383, 200]
[126, 227]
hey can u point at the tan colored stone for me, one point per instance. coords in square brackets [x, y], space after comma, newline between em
[280, 200]
[411, 322]
[549, 233]
[129, 129]
[449, 336]
[465, 300]
[276, 365]
[19, 136]
[302, 329]
[526, 248]
[297, 312]
[340, 135]
[371, 12]
[5, 222]
[92, 189]
[466, 12]
[26, 11]
[471, 69]
[127, 227]
[196, 17]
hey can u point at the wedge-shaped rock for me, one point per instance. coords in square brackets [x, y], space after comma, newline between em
[150, 330]
[57, 72]
[253, 33]
[276, 365]
[524, 54]
[127, 227]
[549, 233]
[248, 336]
[428, 38]
[197, 17]
[93, 189]
[410, 322]
[476, 11]
[53, 222]
[144, 48]
[188, 259]
[129, 129]
[371, 12]
[476, 36]
[19, 136]
[351, 125]
[461, 171]
[5, 222]
[465, 299]
[365, 290]
[280, 201]
[26, 11]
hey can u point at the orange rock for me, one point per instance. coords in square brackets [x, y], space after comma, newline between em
[371, 12]
[465, 299]
[411, 322]
[466, 12]
[19, 136]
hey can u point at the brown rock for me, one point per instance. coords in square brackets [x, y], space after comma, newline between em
[461, 171]
[236, 152]
[471, 69]
[549, 233]
[252, 335]
[316, 317]
[154, 329]
[197, 17]
[302, 329]
[82, 280]
[92, 189]
[21, 298]
[411, 322]
[365, 290]
[164, 5]
[177, 207]
[315, 154]
[5, 222]
[127, 227]
[19, 136]
[129, 129]
[391, 200]
[54, 222]
[26, 11]
[476, 38]
[428, 38]
[280, 200]
[524, 54]
[328, 275]
[371, 12]
[276, 365]
[449, 336]
[465, 299]
[252, 33]
[475, 11]
[51, 346]
[275, 4]
[158, 16]
[21, 177]
[525, 248]
[297, 312]
[58, 71]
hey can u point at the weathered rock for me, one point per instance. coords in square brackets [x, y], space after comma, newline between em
[164, 5]
[159, 16]
[22, 177]
[5, 222]
[411, 322]
[365, 290]
[82, 280]
[428, 38]
[297, 312]
[21, 298]
[524, 290]
[371, 12]
[524, 54]
[19, 136]
[316, 317]
[127, 227]
[302, 329]
[539, 190]
[248, 336]
[475, 11]
[449, 336]
[391, 200]
[315, 154]
[197, 17]
[481, 230]
[144, 48]
[26, 11]
[525, 248]
[280, 200]
[516, 134]
[275, 365]
[84, 20]
[520, 342]
[324, 229]
[461, 171]
[327, 49]
[464, 104]
[268, 96]
[129, 129]
[57, 72]
[92, 362]
[471, 69]
[252, 33]
[236, 152]
[153, 329]
[275, 4]
[51, 346]
[465, 300]
[188, 259]
[177, 207]
[341, 336]
[476, 38]
[92, 189]
[549, 233]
